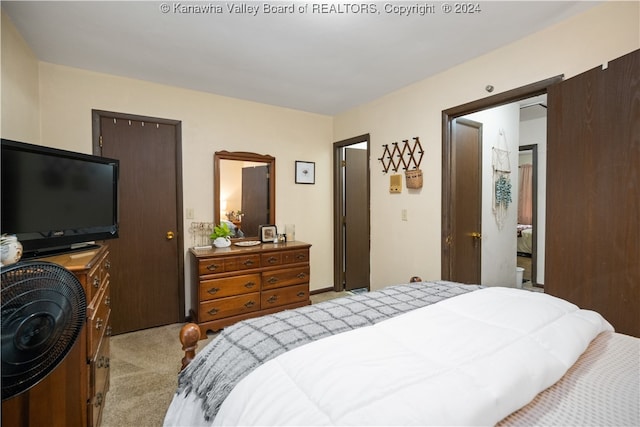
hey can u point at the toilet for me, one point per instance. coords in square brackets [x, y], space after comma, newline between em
[519, 276]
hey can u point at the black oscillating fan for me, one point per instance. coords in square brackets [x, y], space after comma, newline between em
[43, 310]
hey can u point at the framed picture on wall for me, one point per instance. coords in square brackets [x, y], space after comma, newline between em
[268, 233]
[305, 172]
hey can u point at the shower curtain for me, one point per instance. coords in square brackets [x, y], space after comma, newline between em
[525, 194]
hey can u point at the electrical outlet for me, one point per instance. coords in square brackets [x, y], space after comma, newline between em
[403, 214]
[190, 213]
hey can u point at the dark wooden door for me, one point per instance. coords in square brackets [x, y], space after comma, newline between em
[356, 219]
[593, 192]
[466, 201]
[255, 199]
[146, 279]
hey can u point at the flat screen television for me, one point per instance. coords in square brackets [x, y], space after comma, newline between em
[56, 200]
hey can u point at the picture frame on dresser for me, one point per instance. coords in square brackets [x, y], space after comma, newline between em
[268, 233]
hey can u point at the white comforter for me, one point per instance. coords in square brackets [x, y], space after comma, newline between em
[468, 360]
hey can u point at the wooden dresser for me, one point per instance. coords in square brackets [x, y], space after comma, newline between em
[92, 270]
[236, 283]
[73, 393]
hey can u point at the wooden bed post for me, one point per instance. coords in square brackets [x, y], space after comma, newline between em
[189, 336]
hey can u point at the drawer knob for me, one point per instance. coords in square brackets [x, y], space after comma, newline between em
[301, 276]
[248, 262]
[98, 400]
[103, 362]
[213, 290]
[107, 332]
[301, 257]
[213, 311]
[99, 323]
[249, 285]
[107, 300]
[272, 280]
[250, 304]
[107, 264]
[272, 259]
[213, 267]
[272, 298]
[96, 282]
[301, 294]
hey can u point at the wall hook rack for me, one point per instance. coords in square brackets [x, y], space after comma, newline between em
[408, 157]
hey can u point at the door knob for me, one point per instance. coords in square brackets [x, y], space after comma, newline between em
[476, 235]
[170, 235]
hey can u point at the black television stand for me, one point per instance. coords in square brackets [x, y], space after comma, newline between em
[43, 253]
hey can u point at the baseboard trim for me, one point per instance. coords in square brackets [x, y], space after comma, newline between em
[320, 291]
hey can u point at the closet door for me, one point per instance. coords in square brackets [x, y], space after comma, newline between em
[593, 192]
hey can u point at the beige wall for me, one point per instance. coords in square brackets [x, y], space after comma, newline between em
[209, 123]
[401, 249]
[19, 87]
[64, 97]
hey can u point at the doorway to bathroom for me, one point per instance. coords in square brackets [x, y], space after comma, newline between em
[498, 241]
[351, 214]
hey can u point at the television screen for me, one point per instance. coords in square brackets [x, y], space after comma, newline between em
[54, 199]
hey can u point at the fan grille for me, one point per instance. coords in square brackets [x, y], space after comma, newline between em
[43, 311]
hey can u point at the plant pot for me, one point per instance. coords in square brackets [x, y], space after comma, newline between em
[221, 242]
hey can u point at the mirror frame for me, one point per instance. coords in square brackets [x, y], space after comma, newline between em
[246, 157]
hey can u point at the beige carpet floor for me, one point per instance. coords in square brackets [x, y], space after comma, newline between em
[143, 378]
[144, 373]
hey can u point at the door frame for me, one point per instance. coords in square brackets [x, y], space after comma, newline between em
[534, 213]
[448, 115]
[96, 116]
[338, 197]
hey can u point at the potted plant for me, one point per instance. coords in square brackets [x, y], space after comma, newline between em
[221, 236]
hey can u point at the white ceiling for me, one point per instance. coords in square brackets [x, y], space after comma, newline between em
[318, 62]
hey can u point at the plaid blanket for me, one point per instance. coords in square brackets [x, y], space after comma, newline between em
[244, 346]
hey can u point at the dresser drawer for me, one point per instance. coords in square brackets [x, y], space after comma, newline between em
[98, 322]
[96, 276]
[285, 277]
[229, 306]
[242, 263]
[284, 296]
[273, 258]
[290, 257]
[229, 286]
[225, 265]
[210, 266]
[98, 381]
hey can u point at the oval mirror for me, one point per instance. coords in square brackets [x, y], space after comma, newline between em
[244, 191]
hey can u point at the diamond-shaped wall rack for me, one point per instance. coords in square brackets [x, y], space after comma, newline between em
[408, 157]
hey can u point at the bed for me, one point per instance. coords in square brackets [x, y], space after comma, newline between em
[524, 239]
[428, 353]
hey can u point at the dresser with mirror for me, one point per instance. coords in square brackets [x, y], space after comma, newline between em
[249, 278]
